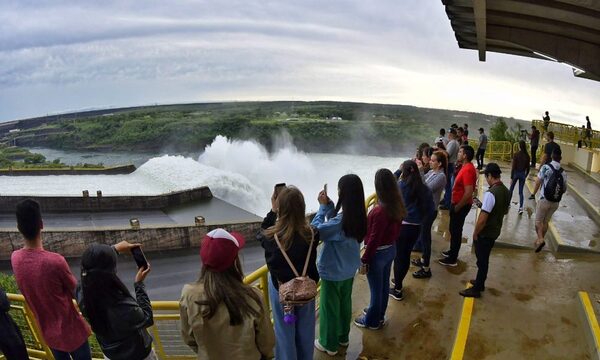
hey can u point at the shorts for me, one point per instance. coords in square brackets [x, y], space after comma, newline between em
[544, 211]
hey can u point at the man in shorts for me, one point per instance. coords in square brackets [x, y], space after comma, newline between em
[546, 207]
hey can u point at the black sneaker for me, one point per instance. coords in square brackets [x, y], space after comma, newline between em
[396, 294]
[447, 262]
[417, 262]
[393, 282]
[443, 207]
[472, 282]
[470, 292]
[446, 253]
[422, 274]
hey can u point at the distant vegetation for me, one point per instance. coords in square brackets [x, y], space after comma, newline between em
[20, 158]
[314, 126]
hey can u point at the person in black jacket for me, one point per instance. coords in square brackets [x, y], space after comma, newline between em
[119, 321]
[11, 340]
[287, 219]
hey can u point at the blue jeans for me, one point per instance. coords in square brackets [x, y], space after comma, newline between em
[518, 176]
[293, 341]
[379, 280]
[81, 353]
[449, 184]
[425, 236]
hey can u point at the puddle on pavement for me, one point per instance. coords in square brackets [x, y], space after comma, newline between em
[522, 297]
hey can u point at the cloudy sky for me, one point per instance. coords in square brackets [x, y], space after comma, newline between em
[58, 56]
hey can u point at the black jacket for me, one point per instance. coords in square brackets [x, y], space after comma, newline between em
[128, 319]
[11, 341]
[278, 266]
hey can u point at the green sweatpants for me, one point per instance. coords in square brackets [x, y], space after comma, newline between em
[335, 313]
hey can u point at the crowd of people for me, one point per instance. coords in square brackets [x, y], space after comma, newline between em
[223, 318]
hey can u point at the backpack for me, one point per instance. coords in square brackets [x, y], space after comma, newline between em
[301, 289]
[555, 187]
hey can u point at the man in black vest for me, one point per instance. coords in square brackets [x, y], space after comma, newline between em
[488, 226]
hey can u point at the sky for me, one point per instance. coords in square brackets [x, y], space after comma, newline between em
[61, 56]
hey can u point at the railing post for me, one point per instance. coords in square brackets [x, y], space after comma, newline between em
[264, 284]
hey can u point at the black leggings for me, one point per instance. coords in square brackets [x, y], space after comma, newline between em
[406, 240]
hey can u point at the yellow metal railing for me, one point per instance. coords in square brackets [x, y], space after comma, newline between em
[570, 133]
[166, 330]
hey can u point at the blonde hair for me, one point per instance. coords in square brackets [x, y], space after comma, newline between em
[291, 218]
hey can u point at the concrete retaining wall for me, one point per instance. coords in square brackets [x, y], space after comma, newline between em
[106, 203]
[73, 243]
[115, 170]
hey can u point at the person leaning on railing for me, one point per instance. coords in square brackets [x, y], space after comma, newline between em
[118, 320]
[12, 345]
[221, 317]
[47, 284]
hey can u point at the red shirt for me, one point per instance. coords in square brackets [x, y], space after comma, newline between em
[47, 283]
[381, 230]
[466, 176]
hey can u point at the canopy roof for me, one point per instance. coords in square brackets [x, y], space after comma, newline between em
[567, 31]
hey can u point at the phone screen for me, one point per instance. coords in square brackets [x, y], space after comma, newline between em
[139, 257]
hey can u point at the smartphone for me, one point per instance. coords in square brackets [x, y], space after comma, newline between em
[325, 188]
[139, 257]
[278, 188]
[477, 202]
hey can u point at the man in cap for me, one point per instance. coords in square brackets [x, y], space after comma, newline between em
[488, 226]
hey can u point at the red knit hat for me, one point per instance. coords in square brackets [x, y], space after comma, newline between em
[219, 249]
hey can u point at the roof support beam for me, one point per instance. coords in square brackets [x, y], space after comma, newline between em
[479, 10]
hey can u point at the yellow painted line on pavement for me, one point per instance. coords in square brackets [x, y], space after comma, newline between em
[551, 226]
[460, 341]
[591, 320]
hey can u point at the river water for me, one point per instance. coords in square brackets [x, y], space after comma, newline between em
[240, 172]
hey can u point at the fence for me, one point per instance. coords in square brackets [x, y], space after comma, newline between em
[570, 134]
[166, 330]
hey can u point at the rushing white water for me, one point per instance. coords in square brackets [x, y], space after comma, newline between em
[241, 172]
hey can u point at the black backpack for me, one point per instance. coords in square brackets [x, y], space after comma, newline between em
[556, 187]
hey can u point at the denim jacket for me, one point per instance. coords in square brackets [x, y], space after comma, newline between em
[340, 257]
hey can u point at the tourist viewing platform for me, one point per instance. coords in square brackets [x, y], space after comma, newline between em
[542, 305]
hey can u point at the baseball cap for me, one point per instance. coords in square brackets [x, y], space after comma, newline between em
[220, 248]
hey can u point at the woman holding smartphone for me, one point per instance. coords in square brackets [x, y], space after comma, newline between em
[341, 228]
[383, 227]
[119, 321]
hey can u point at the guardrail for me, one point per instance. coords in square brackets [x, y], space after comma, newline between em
[166, 330]
[570, 133]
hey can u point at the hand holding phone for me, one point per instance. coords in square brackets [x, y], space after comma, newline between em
[139, 257]
[325, 188]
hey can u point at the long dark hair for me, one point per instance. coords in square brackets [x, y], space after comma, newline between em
[412, 178]
[523, 147]
[228, 288]
[100, 285]
[352, 202]
[389, 195]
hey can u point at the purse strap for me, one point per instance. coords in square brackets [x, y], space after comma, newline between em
[285, 255]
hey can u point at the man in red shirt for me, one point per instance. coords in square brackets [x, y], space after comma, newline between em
[47, 283]
[462, 199]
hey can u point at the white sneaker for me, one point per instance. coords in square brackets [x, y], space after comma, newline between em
[520, 211]
[320, 347]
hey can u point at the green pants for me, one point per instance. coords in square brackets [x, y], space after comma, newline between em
[335, 313]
